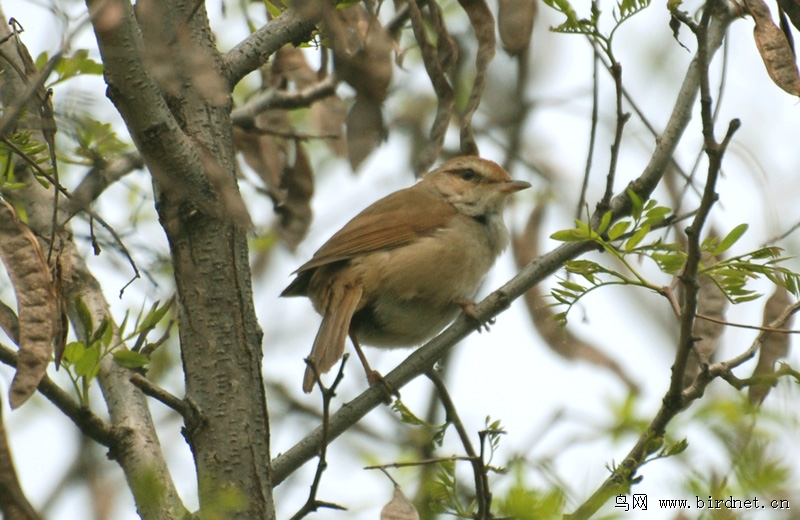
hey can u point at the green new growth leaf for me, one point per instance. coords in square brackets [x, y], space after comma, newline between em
[572, 24]
[95, 138]
[88, 365]
[154, 316]
[84, 315]
[585, 268]
[628, 8]
[732, 237]
[675, 448]
[72, 353]
[572, 286]
[670, 263]
[569, 235]
[604, 223]
[636, 238]
[101, 330]
[406, 415]
[71, 66]
[618, 229]
[655, 215]
[636, 205]
[130, 359]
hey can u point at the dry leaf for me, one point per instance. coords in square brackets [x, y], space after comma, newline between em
[774, 48]
[483, 24]
[792, 10]
[561, 341]
[786, 29]
[364, 129]
[774, 346]
[295, 211]
[291, 64]
[264, 153]
[327, 119]
[36, 308]
[515, 24]
[400, 508]
[362, 51]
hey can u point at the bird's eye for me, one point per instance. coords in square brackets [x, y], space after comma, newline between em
[468, 174]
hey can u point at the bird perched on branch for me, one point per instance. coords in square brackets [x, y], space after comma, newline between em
[402, 269]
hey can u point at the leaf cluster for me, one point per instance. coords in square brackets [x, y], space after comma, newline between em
[589, 27]
[22, 142]
[68, 67]
[625, 239]
[81, 359]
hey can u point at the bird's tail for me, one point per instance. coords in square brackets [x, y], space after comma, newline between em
[328, 346]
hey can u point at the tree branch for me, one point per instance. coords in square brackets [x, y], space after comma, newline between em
[87, 422]
[294, 25]
[14, 505]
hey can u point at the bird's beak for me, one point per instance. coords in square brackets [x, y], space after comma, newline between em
[510, 187]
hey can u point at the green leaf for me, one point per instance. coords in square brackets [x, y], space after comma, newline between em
[130, 359]
[86, 366]
[636, 204]
[676, 448]
[101, 330]
[618, 229]
[84, 315]
[154, 316]
[108, 336]
[656, 215]
[41, 60]
[569, 235]
[604, 222]
[73, 352]
[636, 238]
[747, 298]
[572, 286]
[560, 319]
[670, 263]
[406, 415]
[572, 24]
[79, 63]
[731, 238]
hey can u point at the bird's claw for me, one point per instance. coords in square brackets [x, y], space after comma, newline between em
[469, 308]
[375, 378]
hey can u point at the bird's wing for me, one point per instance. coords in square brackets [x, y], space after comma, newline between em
[390, 222]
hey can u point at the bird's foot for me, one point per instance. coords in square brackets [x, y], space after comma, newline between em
[468, 306]
[375, 378]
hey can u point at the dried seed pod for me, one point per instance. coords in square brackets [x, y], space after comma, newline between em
[515, 23]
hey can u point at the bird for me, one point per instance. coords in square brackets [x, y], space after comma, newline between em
[402, 269]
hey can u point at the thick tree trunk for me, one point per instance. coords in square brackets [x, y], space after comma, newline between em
[166, 78]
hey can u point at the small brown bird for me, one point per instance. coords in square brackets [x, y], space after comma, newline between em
[401, 270]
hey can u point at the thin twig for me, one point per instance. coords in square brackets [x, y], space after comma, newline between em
[169, 400]
[312, 503]
[482, 491]
[87, 210]
[426, 462]
[592, 132]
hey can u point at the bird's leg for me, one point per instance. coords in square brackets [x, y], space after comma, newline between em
[468, 306]
[373, 376]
